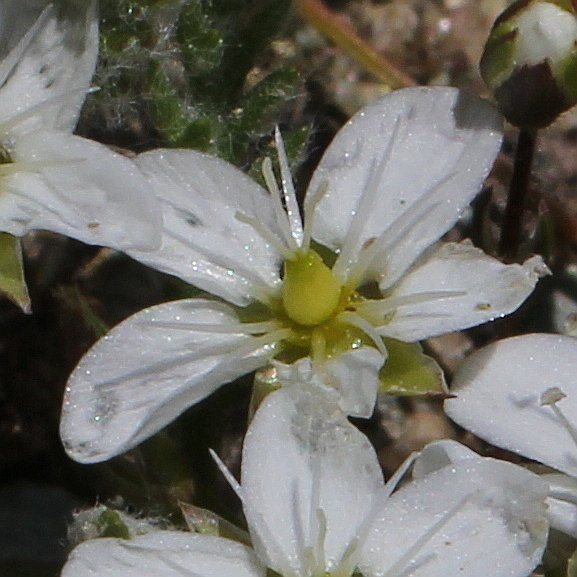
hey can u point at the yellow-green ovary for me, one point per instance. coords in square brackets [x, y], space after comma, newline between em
[311, 293]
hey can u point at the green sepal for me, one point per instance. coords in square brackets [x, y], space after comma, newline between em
[12, 281]
[568, 78]
[199, 520]
[498, 59]
[410, 372]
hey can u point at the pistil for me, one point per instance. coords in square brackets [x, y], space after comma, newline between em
[311, 294]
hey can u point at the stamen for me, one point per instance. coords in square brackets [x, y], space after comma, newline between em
[364, 207]
[386, 242]
[388, 489]
[320, 558]
[564, 490]
[266, 234]
[259, 290]
[265, 539]
[280, 213]
[314, 551]
[550, 398]
[377, 310]
[358, 321]
[271, 541]
[398, 475]
[256, 343]
[397, 232]
[176, 567]
[289, 194]
[407, 563]
[234, 484]
[310, 208]
[349, 560]
[225, 328]
[230, 351]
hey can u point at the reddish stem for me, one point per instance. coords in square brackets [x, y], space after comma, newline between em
[343, 35]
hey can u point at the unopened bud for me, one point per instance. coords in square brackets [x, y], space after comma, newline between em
[530, 61]
[101, 521]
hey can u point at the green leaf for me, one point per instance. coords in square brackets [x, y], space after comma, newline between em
[165, 104]
[176, 71]
[408, 371]
[259, 21]
[201, 43]
[200, 134]
[12, 282]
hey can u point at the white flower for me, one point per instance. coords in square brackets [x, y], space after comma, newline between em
[49, 178]
[518, 394]
[362, 267]
[316, 506]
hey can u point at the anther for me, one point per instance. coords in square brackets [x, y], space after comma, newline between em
[550, 398]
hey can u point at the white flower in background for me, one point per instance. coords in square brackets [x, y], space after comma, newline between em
[519, 394]
[361, 267]
[49, 178]
[316, 506]
[529, 61]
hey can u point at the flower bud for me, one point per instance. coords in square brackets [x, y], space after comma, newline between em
[101, 521]
[530, 61]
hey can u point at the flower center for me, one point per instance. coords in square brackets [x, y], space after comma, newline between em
[311, 294]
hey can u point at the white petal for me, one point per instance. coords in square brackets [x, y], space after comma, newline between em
[302, 460]
[354, 374]
[204, 243]
[415, 186]
[562, 503]
[148, 370]
[490, 289]
[44, 79]
[16, 19]
[79, 188]
[477, 517]
[439, 454]
[498, 397]
[163, 554]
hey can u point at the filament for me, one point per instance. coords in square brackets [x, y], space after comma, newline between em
[289, 194]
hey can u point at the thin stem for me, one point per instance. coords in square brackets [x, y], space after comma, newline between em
[512, 219]
[331, 25]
